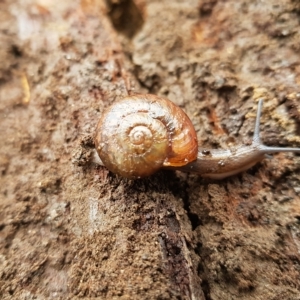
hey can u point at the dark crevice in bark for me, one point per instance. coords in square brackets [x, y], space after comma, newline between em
[125, 16]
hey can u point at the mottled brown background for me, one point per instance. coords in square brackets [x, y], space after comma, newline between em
[69, 229]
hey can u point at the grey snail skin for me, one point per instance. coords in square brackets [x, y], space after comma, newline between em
[140, 134]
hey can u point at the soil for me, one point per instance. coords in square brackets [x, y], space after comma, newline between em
[71, 229]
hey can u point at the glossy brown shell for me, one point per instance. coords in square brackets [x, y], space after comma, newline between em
[138, 135]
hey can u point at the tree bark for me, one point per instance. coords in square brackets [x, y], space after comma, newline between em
[71, 229]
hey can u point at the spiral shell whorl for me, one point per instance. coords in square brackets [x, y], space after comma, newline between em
[139, 134]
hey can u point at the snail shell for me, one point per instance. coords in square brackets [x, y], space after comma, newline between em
[139, 134]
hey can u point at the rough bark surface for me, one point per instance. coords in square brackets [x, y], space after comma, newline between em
[69, 228]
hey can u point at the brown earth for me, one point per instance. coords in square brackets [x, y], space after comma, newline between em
[70, 229]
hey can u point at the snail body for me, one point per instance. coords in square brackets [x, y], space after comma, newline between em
[219, 164]
[140, 134]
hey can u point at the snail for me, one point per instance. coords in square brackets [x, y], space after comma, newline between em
[141, 134]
